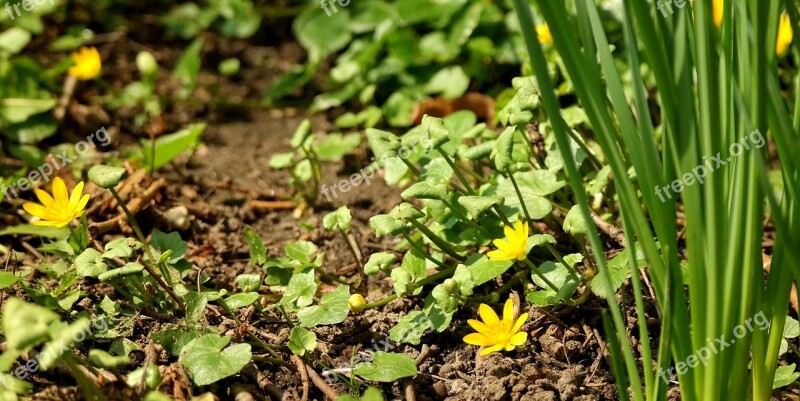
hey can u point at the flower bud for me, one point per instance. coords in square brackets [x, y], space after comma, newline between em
[146, 63]
[356, 303]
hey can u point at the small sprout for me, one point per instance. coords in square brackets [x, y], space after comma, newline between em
[495, 334]
[106, 176]
[356, 303]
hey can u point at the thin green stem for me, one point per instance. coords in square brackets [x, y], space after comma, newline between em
[143, 239]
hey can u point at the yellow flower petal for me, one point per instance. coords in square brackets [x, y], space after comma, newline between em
[488, 315]
[785, 35]
[476, 339]
[44, 197]
[60, 191]
[480, 327]
[520, 321]
[75, 197]
[82, 203]
[36, 210]
[499, 256]
[491, 349]
[510, 234]
[518, 339]
[508, 313]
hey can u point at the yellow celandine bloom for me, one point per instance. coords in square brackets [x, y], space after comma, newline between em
[58, 210]
[717, 11]
[515, 245]
[496, 334]
[87, 64]
[785, 34]
[543, 33]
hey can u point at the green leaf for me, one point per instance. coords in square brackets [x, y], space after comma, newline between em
[406, 211]
[90, 263]
[195, 306]
[123, 347]
[302, 132]
[424, 190]
[791, 328]
[301, 250]
[563, 279]
[33, 130]
[237, 301]
[321, 34]
[121, 248]
[174, 338]
[575, 224]
[280, 161]
[63, 336]
[106, 176]
[7, 279]
[477, 205]
[258, 252]
[25, 325]
[300, 291]
[384, 144]
[208, 361]
[450, 82]
[13, 40]
[784, 376]
[335, 146]
[39, 231]
[302, 341]
[483, 270]
[187, 69]
[248, 282]
[537, 205]
[164, 242]
[170, 146]
[539, 240]
[412, 269]
[384, 224]
[410, 328]
[338, 220]
[331, 309]
[386, 367]
[381, 261]
[503, 149]
[105, 360]
[132, 268]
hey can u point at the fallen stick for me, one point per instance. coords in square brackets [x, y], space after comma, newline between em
[271, 205]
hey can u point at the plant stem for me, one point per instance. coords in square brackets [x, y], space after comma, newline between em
[418, 247]
[456, 170]
[138, 232]
[442, 244]
[519, 194]
[413, 286]
[541, 276]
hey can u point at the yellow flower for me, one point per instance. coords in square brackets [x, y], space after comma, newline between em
[543, 32]
[87, 64]
[717, 10]
[515, 245]
[785, 34]
[58, 210]
[496, 334]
